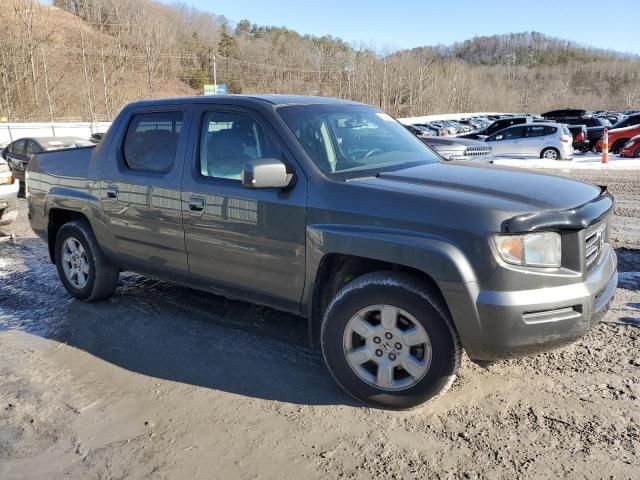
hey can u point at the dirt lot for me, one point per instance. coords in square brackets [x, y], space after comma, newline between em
[166, 382]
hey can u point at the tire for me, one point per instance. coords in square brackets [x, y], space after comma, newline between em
[615, 148]
[417, 307]
[585, 149]
[550, 154]
[636, 154]
[101, 278]
[8, 214]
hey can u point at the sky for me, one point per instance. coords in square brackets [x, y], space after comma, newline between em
[403, 24]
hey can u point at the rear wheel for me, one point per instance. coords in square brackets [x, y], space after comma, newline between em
[615, 148]
[82, 267]
[388, 341]
[550, 154]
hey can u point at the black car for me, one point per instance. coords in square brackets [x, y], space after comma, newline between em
[630, 121]
[96, 137]
[18, 153]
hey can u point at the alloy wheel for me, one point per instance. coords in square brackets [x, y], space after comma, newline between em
[387, 347]
[75, 263]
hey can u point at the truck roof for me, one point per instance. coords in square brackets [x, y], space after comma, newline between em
[277, 100]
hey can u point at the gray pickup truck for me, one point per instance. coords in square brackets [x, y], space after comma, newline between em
[334, 211]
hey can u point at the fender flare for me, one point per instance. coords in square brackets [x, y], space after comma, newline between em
[436, 257]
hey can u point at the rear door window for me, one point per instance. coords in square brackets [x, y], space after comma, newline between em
[32, 148]
[536, 131]
[551, 130]
[19, 147]
[151, 142]
[511, 133]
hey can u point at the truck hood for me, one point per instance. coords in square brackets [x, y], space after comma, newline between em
[509, 189]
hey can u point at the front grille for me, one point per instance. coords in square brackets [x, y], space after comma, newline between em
[593, 243]
[477, 152]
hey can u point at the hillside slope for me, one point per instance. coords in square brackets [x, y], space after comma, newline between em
[86, 59]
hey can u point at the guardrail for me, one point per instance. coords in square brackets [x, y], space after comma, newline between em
[14, 130]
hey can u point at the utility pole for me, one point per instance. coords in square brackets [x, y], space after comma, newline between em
[46, 87]
[215, 74]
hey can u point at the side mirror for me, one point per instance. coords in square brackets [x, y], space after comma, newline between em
[265, 173]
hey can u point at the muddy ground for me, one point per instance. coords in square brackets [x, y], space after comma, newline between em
[165, 382]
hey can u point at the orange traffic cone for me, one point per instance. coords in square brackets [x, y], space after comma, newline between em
[605, 146]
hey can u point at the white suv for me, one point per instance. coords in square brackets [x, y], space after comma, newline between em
[539, 139]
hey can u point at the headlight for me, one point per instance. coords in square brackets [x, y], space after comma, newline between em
[534, 249]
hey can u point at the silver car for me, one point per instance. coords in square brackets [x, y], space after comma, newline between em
[455, 148]
[540, 139]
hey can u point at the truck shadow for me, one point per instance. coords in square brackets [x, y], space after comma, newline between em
[166, 331]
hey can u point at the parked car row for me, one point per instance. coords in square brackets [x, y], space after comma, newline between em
[554, 134]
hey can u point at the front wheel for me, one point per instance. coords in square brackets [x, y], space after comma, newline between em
[82, 267]
[550, 154]
[389, 341]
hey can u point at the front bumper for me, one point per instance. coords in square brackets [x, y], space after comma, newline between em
[518, 323]
[8, 193]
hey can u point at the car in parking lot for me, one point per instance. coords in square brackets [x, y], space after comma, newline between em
[630, 121]
[618, 138]
[420, 132]
[455, 148]
[580, 137]
[8, 194]
[18, 153]
[552, 141]
[631, 149]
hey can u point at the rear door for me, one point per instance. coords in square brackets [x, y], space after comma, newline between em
[240, 241]
[140, 191]
[535, 140]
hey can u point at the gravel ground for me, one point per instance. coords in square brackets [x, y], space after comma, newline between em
[166, 382]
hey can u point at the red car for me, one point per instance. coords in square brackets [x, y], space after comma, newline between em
[619, 137]
[631, 149]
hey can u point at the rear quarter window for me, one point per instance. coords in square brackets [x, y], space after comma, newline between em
[151, 141]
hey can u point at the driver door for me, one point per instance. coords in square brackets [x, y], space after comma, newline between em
[508, 142]
[240, 241]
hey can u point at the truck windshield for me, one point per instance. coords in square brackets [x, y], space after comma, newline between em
[352, 140]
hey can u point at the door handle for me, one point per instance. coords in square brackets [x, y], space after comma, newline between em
[196, 204]
[112, 192]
